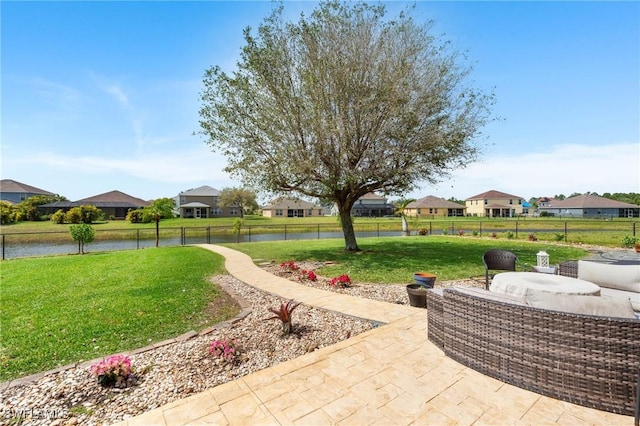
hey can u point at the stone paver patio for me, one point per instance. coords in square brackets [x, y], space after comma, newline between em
[391, 375]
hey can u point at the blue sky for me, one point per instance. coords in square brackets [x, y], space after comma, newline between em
[98, 96]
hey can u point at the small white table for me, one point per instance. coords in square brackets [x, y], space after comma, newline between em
[521, 284]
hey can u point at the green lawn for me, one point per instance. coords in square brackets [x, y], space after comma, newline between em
[63, 309]
[395, 259]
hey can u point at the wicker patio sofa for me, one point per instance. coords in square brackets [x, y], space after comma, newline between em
[615, 281]
[583, 359]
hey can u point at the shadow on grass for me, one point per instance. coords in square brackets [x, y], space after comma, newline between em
[395, 259]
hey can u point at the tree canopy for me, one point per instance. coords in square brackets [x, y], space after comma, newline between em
[342, 103]
[243, 198]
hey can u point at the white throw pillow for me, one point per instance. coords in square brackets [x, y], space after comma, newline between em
[621, 277]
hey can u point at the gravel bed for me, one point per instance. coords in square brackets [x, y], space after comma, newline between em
[177, 370]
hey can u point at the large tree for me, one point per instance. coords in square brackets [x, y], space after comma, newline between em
[243, 198]
[342, 103]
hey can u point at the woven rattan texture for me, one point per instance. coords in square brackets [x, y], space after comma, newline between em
[582, 359]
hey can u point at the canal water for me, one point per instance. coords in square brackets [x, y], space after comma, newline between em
[17, 250]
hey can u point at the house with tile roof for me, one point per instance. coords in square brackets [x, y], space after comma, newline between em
[431, 206]
[114, 204]
[369, 205]
[14, 192]
[289, 207]
[203, 202]
[494, 204]
[590, 206]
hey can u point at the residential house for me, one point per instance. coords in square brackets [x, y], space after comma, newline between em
[203, 202]
[545, 201]
[114, 204]
[369, 205]
[14, 192]
[590, 206]
[288, 207]
[494, 204]
[431, 206]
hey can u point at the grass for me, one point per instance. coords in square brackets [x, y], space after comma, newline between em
[64, 309]
[393, 260]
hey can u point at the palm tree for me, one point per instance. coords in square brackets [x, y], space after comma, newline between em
[160, 208]
[401, 205]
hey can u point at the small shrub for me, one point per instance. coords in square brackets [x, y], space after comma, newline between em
[628, 241]
[342, 281]
[460, 233]
[494, 235]
[112, 371]
[82, 234]
[559, 237]
[307, 275]
[475, 233]
[532, 237]
[510, 235]
[224, 349]
[445, 231]
[57, 217]
[423, 231]
[289, 266]
[284, 315]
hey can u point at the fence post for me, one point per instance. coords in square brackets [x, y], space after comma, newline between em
[566, 239]
[633, 231]
[208, 234]
[481, 228]
[378, 230]
[285, 232]
[318, 231]
[182, 236]
[430, 228]
[516, 229]
[3, 247]
[137, 239]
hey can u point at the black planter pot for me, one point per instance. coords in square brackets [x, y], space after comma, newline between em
[417, 295]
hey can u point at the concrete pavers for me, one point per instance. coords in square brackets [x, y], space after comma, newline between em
[391, 375]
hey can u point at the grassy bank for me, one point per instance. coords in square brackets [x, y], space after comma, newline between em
[63, 309]
[395, 259]
[586, 231]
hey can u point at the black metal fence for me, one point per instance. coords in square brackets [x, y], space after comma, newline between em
[29, 244]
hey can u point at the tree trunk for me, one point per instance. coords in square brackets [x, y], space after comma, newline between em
[350, 243]
[157, 230]
[405, 226]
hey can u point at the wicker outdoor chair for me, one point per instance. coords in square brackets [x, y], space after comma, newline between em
[499, 260]
[582, 359]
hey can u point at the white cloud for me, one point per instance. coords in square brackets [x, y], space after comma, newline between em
[169, 167]
[565, 169]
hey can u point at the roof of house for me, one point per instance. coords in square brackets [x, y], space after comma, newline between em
[588, 201]
[108, 199]
[431, 201]
[290, 203]
[371, 196]
[114, 197]
[201, 191]
[493, 194]
[9, 185]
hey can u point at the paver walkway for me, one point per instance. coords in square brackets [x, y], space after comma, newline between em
[391, 375]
